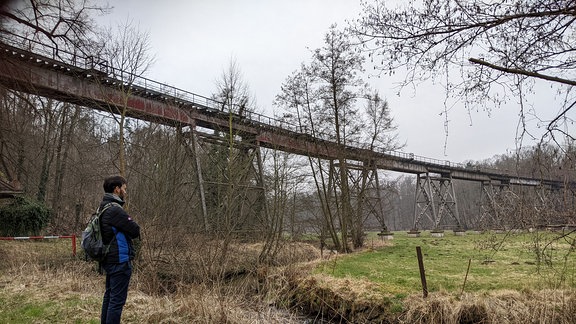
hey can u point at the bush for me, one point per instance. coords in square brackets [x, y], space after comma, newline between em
[23, 217]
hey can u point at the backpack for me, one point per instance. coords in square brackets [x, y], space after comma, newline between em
[92, 243]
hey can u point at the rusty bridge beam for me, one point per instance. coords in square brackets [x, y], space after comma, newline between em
[31, 73]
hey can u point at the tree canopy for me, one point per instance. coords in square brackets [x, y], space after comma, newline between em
[486, 53]
[67, 24]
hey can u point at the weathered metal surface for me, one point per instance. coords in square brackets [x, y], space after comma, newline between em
[32, 73]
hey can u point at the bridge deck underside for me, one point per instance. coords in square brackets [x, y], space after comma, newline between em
[31, 73]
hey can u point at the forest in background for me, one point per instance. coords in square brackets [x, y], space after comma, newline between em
[60, 153]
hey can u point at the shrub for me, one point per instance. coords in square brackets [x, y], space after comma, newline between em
[23, 216]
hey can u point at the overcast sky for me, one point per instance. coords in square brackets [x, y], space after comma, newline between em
[194, 42]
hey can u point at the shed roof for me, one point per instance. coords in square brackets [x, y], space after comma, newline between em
[8, 189]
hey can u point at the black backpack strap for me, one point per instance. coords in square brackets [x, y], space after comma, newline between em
[108, 205]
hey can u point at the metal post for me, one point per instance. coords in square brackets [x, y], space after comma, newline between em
[422, 272]
[200, 180]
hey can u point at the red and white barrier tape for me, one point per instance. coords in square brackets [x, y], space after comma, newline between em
[73, 237]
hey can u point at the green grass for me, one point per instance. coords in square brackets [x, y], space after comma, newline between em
[24, 309]
[497, 261]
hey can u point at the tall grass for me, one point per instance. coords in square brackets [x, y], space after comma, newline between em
[41, 282]
[513, 278]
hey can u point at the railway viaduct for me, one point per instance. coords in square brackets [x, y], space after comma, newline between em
[89, 82]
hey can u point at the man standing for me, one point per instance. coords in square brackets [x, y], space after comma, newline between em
[118, 231]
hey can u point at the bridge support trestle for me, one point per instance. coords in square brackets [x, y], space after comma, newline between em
[435, 198]
[230, 183]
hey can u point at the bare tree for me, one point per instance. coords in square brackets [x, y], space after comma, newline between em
[233, 93]
[18, 112]
[67, 24]
[323, 99]
[485, 52]
[382, 133]
[300, 99]
[127, 51]
[232, 162]
[49, 148]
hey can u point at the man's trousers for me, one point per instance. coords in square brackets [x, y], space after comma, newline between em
[117, 280]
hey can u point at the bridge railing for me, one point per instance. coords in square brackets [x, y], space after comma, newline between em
[94, 64]
[52, 52]
[97, 65]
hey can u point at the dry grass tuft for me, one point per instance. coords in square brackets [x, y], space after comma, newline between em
[339, 300]
[162, 270]
[44, 274]
[198, 304]
[546, 306]
[296, 252]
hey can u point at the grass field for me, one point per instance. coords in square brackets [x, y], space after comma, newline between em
[512, 278]
[542, 260]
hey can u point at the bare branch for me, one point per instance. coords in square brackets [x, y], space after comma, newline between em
[522, 72]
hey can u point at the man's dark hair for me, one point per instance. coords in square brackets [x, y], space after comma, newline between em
[112, 182]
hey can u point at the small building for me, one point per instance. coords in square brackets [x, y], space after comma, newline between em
[8, 191]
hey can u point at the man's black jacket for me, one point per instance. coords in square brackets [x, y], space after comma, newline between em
[118, 230]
